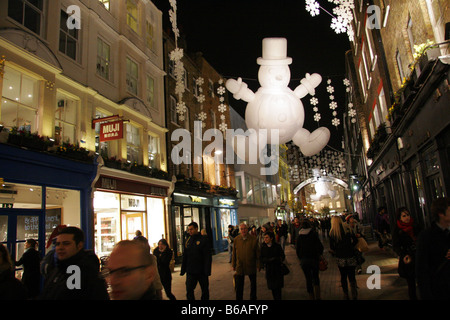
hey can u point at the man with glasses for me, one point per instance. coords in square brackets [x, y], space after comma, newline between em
[196, 263]
[130, 272]
[76, 275]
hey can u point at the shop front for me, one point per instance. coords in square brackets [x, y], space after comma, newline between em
[125, 203]
[189, 207]
[225, 214]
[38, 192]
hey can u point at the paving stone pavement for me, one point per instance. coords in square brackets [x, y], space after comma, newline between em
[392, 287]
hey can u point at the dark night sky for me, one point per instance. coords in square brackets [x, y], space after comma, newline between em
[229, 33]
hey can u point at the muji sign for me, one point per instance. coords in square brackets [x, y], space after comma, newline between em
[111, 130]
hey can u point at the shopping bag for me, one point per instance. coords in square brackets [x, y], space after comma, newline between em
[323, 264]
[362, 245]
[284, 269]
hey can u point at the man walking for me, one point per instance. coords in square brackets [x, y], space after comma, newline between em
[245, 261]
[433, 254]
[197, 261]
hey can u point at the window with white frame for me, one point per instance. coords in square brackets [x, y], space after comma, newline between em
[187, 119]
[20, 101]
[103, 59]
[213, 119]
[185, 79]
[211, 88]
[132, 15]
[150, 35]
[383, 105]
[172, 68]
[133, 144]
[65, 119]
[151, 91]
[132, 76]
[68, 38]
[28, 13]
[105, 3]
[153, 151]
[401, 73]
[371, 48]
[103, 147]
[410, 35]
[362, 80]
[173, 110]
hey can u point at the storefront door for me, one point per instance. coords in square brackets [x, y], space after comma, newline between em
[16, 228]
[131, 222]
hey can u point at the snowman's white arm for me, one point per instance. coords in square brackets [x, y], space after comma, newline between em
[240, 90]
[307, 85]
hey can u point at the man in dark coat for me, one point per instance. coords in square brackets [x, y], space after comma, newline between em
[433, 254]
[197, 261]
[77, 272]
[30, 260]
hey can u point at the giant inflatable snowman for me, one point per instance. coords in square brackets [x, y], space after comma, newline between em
[275, 105]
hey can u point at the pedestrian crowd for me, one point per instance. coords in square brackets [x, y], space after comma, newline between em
[133, 272]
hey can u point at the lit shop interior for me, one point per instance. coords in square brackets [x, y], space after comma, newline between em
[117, 216]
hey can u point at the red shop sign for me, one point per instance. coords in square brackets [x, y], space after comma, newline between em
[111, 130]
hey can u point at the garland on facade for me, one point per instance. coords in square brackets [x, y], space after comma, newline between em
[176, 55]
[222, 106]
[342, 18]
[200, 99]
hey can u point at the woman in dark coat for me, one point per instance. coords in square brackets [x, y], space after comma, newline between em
[404, 244]
[309, 251]
[272, 255]
[163, 255]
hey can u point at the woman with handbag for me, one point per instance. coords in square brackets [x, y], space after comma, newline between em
[342, 245]
[309, 252]
[272, 257]
[404, 244]
[361, 246]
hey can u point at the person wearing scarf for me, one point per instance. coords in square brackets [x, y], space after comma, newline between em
[404, 244]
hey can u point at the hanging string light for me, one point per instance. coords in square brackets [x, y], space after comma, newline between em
[222, 106]
[200, 99]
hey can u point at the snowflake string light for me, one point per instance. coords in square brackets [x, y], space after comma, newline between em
[352, 113]
[221, 90]
[317, 117]
[202, 116]
[330, 89]
[223, 126]
[335, 122]
[314, 101]
[333, 105]
[342, 18]
[346, 82]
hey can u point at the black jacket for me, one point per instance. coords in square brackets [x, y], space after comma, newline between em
[404, 245]
[197, 257]
[164, 259]
[93, 287]
[10, 287]
[432, 268]
[271, 257]
[31, 273]
[309, 245]
[345, 247]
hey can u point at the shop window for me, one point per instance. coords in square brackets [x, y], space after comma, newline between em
[67, 202]
[106, 221]
[20, 196]
[68, 38]
[65, 119]
[19, 101]
[156, 223]
[225, 216]
[133, 144]
[28, 13]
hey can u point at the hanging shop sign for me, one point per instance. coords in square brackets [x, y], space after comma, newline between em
[111, 131]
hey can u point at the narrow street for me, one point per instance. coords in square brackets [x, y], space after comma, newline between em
[221, 285]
